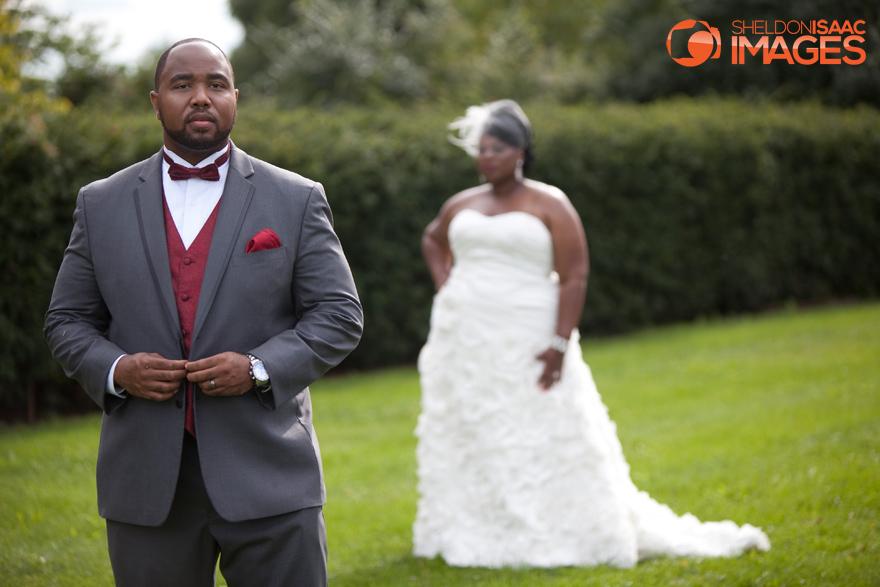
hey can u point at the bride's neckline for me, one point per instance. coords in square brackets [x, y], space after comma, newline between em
[500, 214]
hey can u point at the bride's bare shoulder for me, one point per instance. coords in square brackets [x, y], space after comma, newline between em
[546, 190]
[548, 196]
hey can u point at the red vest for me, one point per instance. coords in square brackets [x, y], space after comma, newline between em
[187, 272]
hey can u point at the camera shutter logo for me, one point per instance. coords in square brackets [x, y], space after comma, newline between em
[702, 44]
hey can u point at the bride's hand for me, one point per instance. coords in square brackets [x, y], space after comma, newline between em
[552, 360]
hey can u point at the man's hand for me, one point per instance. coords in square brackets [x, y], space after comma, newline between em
[552, 360]
[150, 376]
[223, 374]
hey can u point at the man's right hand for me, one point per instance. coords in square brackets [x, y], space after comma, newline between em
[150, 376]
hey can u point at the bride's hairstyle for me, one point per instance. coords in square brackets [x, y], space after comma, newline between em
[503, 120]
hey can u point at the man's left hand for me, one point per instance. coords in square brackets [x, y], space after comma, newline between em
[221, 375]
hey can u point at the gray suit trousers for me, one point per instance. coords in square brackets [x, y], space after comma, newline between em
[288, 550]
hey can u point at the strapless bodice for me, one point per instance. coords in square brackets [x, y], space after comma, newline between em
[508, 246]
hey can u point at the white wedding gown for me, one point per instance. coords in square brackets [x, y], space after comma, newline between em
[511, 476]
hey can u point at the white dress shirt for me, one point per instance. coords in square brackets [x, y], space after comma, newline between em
[190, 202]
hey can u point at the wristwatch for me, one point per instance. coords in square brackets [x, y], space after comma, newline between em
[258, 372]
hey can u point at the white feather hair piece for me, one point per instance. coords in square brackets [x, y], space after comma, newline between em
[470, 128]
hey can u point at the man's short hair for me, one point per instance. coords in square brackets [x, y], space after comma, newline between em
[160, 65]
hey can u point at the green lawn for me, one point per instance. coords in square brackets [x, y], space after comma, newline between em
[772, 420]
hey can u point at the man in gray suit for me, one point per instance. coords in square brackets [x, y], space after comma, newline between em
[202, 291]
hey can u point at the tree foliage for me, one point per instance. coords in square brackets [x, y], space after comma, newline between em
[27, 207]
[40, 51]
[692, 207]
[326, 51]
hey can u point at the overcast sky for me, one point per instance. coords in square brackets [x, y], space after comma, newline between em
[139, 26]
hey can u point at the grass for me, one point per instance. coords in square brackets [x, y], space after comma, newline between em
[771, 420]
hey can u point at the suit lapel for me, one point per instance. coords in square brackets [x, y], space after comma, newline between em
[236, 197]
[148, 202]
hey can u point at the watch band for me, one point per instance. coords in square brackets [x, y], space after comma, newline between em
[258, 369]
[559, 343]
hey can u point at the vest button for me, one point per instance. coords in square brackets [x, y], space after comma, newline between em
[184, 297]
[187, 261]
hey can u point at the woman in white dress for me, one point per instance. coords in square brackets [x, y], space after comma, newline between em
[518, 461]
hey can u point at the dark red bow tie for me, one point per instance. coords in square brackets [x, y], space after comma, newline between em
[210, 172]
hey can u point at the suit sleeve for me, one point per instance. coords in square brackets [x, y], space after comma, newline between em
[330, 317]
[77, 319]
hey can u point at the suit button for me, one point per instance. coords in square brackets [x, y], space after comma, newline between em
[179, 403]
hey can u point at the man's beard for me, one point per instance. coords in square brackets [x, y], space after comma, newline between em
[199, 141]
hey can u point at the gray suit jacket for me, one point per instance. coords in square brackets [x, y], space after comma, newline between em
[295, 307]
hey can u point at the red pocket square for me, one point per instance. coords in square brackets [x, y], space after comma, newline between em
[262, 241]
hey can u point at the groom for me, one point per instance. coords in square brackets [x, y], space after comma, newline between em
[202, 291]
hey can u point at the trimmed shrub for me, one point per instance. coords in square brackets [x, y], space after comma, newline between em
[692, 208]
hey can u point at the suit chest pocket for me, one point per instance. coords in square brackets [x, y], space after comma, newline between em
[263, 274]
[273, 256]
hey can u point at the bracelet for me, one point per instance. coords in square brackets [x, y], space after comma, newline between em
[559, 343]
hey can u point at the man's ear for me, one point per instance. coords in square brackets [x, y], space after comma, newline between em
[154, 98]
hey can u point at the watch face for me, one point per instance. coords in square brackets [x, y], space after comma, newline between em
[260, 373]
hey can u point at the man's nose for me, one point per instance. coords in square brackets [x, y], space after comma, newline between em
[200, 95]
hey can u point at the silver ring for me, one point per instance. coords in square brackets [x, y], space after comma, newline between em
[555, 375]
[213, 385]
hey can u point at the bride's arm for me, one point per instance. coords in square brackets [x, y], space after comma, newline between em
[436, 251]
[573, 266]
[435, 240]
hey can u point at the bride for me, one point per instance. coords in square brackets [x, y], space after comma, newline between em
[518, 461]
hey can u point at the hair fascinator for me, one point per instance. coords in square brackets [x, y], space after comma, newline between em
[470, 128]
[503, 119]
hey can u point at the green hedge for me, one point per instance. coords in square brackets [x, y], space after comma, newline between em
[703, 208]
[691, 208]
